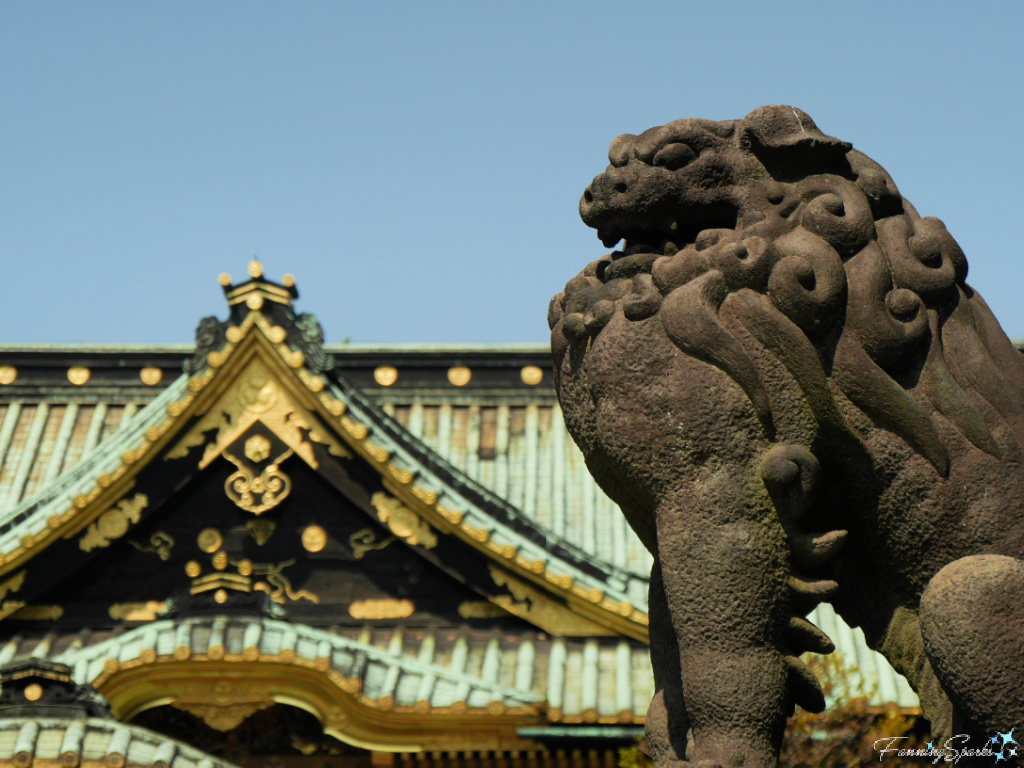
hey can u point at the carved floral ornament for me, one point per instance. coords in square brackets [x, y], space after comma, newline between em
[114, 523]
[402, 521]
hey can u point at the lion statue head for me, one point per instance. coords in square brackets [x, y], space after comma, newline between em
[813, 248]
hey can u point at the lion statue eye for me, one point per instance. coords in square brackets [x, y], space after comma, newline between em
[673, 156]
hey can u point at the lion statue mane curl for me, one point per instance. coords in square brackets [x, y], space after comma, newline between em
[787, 385]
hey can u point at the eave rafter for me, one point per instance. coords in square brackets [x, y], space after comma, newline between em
[307, 408]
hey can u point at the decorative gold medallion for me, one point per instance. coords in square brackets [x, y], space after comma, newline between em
[78, 375]
[193, 569]
[114, 523]
[257, 449]
[402, 521]
[314, 538]
[34, 692]
[531, 375]
[220, 596]
[8, 373]
[459, 375]
[385, 375]
[209, 540]
[151, 376]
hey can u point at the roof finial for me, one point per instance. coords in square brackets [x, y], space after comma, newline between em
[255, 269]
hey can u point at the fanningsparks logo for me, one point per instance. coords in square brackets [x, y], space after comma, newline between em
[1000, 747]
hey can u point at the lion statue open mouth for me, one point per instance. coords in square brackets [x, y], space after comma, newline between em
[785, 382]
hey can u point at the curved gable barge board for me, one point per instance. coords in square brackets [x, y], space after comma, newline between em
[348, 657]
[141, 668]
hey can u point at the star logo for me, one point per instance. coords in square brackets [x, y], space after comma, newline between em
[1007, 737]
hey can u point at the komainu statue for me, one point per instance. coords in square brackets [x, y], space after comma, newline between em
[787, 385]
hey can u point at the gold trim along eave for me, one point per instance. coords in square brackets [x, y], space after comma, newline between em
[622, 618]
[223, 689]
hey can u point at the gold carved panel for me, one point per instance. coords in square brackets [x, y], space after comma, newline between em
[402, 521]
[533, 606]
[114, 523]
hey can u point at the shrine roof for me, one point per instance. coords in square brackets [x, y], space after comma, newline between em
[502, 433]
[424, 670]
[94, 743]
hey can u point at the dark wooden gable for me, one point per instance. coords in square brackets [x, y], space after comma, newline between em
[322, 556]
[257, 492]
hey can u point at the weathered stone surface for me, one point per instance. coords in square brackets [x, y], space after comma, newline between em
[789, 388]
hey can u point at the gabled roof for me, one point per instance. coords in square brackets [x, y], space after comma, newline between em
[502, 428]
[265, 365]
[94, 743]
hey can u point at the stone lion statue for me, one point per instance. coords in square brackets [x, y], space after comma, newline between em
[785, 382]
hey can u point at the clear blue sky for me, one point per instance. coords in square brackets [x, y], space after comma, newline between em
[417, 165]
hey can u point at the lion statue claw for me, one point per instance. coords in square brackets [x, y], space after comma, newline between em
[787, 385]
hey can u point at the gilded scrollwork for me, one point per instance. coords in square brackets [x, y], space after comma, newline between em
[255, 396]
[271, 486]
[222, 703]
[365, 540]
[160, 544]
[12, 584]
[277, 584]
[533, 606]
[481, 609]
[114, 523]
[402, 521]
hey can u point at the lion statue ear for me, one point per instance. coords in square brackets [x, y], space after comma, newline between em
[789, 134]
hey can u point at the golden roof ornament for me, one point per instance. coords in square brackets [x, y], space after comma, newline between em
[302, 332]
